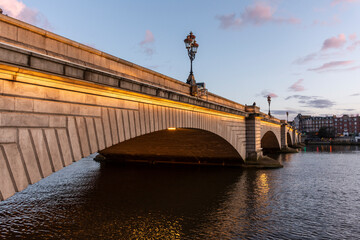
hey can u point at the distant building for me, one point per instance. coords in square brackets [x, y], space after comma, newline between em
[347, 125]
[342, 126]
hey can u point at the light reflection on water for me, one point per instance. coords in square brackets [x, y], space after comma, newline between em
[315, 196]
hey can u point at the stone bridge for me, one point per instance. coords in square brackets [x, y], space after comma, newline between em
[61, 101]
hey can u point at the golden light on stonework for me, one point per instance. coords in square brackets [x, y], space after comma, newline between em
[172, 128]
[47, 80]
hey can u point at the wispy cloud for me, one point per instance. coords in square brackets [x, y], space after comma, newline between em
[346, 69]
[334, 42]
[353, 37]
[283, 112]
[320, 103]
[154, 67]
[331, 66]
[256, 14]
[229, 21]
[266, 93]
[335, 2]
[149, 38]
[308, 58]
[19, 10]
[331, 22]
[355, 95]
[353, 46]
[259, 13]
[302, 98]
[147, 43]
[297, 86]
[312, 101]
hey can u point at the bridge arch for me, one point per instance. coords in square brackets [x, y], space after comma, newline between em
[269, 142]
[176, 145]
[289, 139]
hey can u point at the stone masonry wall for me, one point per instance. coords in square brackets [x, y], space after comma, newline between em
[46, 124]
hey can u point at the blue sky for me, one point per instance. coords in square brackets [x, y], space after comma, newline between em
[306, 53]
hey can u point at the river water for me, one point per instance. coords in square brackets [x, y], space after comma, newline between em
[315, 196]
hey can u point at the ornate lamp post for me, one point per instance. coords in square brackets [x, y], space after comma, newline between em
[191, 46]
[269, 101]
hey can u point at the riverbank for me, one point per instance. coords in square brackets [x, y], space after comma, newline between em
[334, 143]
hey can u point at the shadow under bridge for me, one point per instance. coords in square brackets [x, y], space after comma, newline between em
[176, 146]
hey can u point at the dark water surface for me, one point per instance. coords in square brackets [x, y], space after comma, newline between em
[315, 196]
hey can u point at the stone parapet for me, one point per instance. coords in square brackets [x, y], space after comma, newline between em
[24, 60]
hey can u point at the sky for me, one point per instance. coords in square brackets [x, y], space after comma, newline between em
[304, 54]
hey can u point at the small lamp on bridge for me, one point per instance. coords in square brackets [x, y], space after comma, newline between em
[287, 116]
[269, 101]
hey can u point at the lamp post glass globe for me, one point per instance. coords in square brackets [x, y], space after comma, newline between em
[191, 45]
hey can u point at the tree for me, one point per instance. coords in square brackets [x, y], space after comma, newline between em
[326, 132]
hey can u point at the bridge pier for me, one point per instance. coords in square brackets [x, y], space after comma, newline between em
[254, 150]
[253, 139]
[284, 130]
[287, 141]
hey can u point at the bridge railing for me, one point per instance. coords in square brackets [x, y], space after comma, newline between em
[267, 118]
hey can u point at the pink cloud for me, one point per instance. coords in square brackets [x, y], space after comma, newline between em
[334, 42]
[266, 93]
[257, 14]
[348, 69]
[146, 44]
[335, 2]
[149, 38]
[13, 8]
[297, 87]
[331, 65]
[353, 46]
[272, 95]
[19, 10]
[353, 37]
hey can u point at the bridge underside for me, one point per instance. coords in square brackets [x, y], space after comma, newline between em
[180, 146]
[270, 143]
[289, 140]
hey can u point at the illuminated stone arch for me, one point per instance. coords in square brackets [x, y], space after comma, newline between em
[269, 142]
[176, 145]
[289, 139]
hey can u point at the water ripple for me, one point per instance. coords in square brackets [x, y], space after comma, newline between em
[315, 196]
